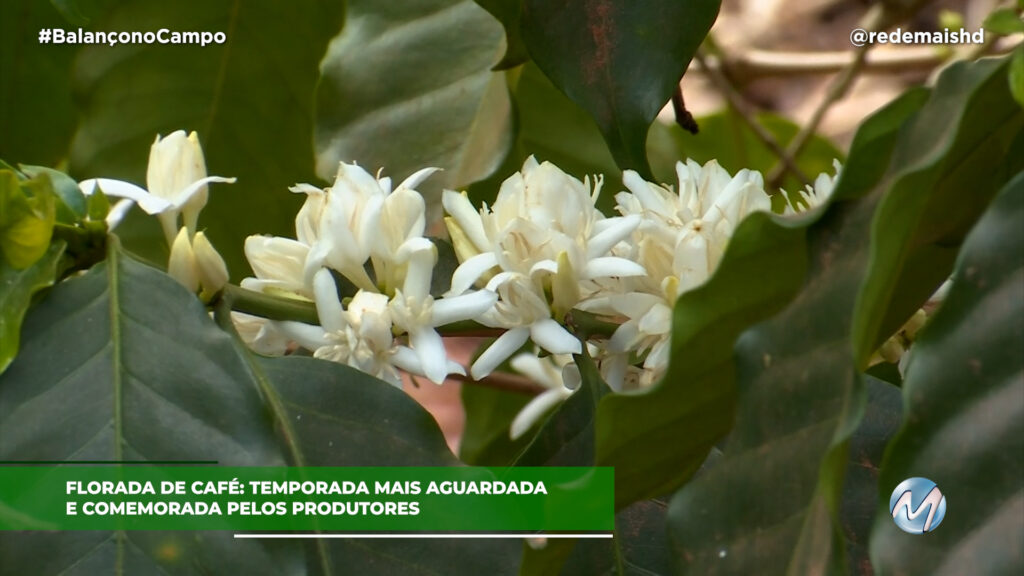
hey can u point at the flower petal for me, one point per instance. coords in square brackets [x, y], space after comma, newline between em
[468, 219]
[470, 271]
[149, 203]
[554, 338]
[464, 307]
[184, 195]
[416, 178]
[502, 348]
[328, 307]
[429, 349]
[612, 266]
[614, 233]
[308, 336]
[534, 410]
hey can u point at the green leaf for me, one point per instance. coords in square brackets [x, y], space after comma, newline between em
[123, 363]
[658, 439]
[964, 426]
[16, 290]
[619, 60]
[37, 114]
[640, 548]
[916, 231]
[408, 85]
[489, 414]
[250, 100]
[1016, 75]
[72, 205]
[106, 372]
[27, 214]
[800, 397]
[566, 438]
[883, 415]
[1004, 22]
[509, 13]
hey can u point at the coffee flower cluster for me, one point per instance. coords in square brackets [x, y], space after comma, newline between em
[526, 264]
[540, 252]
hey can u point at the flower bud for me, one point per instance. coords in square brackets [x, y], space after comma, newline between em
[182, 265]
[213, 272]
[175, 164]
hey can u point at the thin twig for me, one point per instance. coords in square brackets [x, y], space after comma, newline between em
[836, 90]
[880, 17]
[752, 64]
[684, 119]
[503, 381]
[738, 103]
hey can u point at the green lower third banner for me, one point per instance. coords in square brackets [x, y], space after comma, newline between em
[402, 499]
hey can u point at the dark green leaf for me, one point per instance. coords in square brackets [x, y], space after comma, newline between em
[640, 546]
[106, 374]
[769, 505]
[16, 290]
[37, 115]
[509, 13]
[917, 230]
[964, 427]
[658, 439]
[408, 85]
[1016, 75]
[250, 100]
[123, 363]
[566, 438]
[71, 207]
[489, 414]
[883, 415]
[619, 60]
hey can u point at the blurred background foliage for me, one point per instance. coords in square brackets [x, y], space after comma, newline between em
[300, 86]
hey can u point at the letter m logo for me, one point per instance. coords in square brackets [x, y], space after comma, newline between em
[930, 504]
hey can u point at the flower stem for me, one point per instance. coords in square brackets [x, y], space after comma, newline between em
[268, 306]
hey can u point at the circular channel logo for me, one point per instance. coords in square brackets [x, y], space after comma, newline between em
[917, 505]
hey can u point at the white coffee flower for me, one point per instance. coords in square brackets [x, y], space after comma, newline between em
[540, 246]
[560, 377]
[680, 242]
[342, 222]
[813, 196]
[177, 182]
[279, 267]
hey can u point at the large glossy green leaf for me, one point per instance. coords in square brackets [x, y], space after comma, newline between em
[408, 85]
[16, 290]
[927, 215]
[106, 372]
[37, 115]
[777, 488]
[658, 439]
[619, 60]
[964, 425]
[489, 414]
[123, 363]
[250, 99]
[883, 415]
[509, 13]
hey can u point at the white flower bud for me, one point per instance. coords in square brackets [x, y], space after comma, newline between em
[182, 264]
[213, 272]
